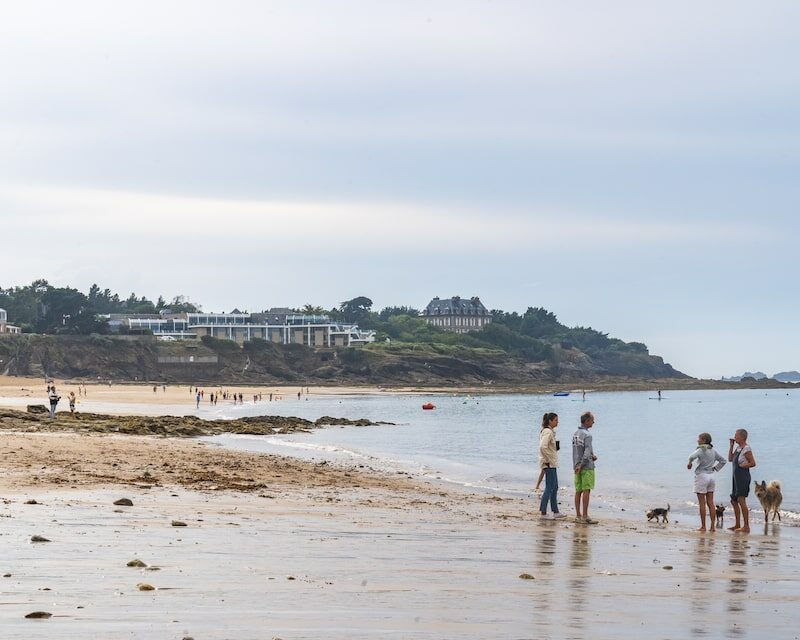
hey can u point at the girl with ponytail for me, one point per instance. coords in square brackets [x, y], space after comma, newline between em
[548, 461]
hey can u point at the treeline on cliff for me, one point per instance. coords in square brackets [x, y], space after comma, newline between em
[42, 308]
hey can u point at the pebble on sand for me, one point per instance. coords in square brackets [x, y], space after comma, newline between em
[39, 615]
[136, 563]
[39, 539]
[667, 567]
[31, 501]
[143, 586]
[526, 576]
[178, 523]
[124, 502]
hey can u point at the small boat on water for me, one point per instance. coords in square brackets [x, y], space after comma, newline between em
[561, 394]
[428, 406]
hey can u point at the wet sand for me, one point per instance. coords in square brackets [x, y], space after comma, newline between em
[372, 556]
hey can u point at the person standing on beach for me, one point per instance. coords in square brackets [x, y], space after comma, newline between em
[53, 397]
[583, 459]
[708, 462]
[743, 460]
[72, 399]
[548, 463]
[197, 400]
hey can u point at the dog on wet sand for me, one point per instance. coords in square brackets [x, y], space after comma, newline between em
[770, 497]
[658, 513]
[720, 509]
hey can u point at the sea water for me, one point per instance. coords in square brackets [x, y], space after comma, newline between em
[490, 442]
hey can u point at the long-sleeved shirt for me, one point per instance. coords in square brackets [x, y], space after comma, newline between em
[548, 456]
[582, 451]
[708, 459]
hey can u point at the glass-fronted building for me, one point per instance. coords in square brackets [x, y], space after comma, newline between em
[280, 328]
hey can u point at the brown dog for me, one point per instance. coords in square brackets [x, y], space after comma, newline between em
[770, 497]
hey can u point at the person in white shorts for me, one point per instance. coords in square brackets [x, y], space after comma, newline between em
[708, 463]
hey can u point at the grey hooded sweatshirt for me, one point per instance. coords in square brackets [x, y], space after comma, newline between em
[708, 460]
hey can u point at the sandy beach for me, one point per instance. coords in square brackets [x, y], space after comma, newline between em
[16, 392]
[277, 548]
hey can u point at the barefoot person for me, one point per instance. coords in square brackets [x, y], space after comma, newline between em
[709, 461]
[548, 462]
[743, 460]
[583, 460]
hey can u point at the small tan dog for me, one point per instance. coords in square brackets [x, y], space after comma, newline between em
[770, 497]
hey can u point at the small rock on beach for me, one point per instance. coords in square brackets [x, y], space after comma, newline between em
[123, 502]
[39, 615]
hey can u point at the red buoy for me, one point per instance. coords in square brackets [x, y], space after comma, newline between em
[428, 406]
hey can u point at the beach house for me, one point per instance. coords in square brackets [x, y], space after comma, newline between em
[4, 326]
[457, 314]
[280, 326]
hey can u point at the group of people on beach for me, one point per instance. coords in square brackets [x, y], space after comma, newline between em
[708, 462]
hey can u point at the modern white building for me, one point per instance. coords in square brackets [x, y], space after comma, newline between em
[280, 326]
[4, 326]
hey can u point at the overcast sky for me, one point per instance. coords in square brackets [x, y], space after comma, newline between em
[630, 166]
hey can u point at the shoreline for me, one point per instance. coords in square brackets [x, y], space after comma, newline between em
[13, 389]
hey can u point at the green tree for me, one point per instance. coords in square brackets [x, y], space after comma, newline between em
[388, 312]
[312, 310]
[356, 310]
[540, 323]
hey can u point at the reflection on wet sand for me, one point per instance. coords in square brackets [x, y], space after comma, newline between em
[579, 561]
[767, 549]
[737, 587]
[546, 540]
[701, 586]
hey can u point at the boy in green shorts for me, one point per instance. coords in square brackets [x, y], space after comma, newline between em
[583, 461]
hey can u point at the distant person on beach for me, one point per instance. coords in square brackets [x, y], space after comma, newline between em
[298, 395]
[71, 397]
[709, 462]
[155, 389]
[53, 397]
[583, 459]
[197, 400]
[548, 462]
[743, 460]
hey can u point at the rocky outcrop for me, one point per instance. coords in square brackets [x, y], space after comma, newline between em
[169, 426]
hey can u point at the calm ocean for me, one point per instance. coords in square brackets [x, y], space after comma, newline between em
[489, 443]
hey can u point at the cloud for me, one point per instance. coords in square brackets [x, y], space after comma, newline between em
[291, 227]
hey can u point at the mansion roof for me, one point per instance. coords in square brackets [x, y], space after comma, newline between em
[456, 306]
